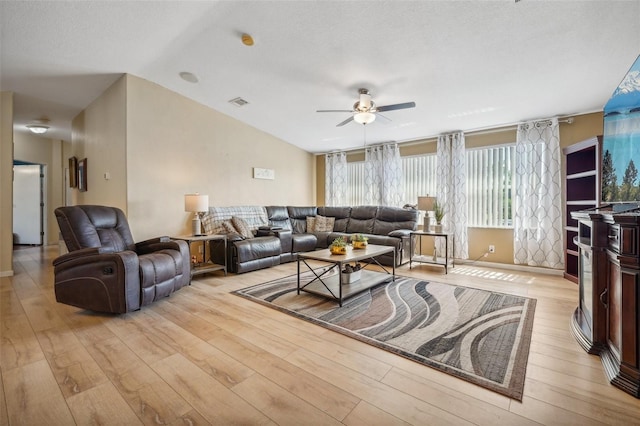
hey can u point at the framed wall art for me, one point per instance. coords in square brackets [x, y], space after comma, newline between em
[82, 175]
[73, 172]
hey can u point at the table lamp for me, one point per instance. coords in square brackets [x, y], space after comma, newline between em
[197, 204]
[426, 204]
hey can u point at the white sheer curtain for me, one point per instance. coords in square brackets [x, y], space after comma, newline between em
[383, 175]
[451, 190]
[336, 184]
[537, 221]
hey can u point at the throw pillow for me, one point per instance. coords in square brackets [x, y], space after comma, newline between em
[208, 224]
[311, 224]
[242, 227]
[324, 224]
[229, 228]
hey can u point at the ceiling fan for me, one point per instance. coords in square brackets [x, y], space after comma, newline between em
[365, 110]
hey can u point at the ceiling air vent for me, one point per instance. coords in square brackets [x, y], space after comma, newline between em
[239, 102]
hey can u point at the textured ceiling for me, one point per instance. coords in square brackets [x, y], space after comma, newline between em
[467, 65]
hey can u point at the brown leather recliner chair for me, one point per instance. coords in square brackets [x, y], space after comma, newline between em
[106, 271]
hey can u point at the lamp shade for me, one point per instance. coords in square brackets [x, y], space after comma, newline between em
[196, 203]
[426, 203]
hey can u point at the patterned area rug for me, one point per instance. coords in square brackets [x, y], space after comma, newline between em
[476, 335]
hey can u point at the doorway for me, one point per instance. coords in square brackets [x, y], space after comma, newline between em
[28, 204]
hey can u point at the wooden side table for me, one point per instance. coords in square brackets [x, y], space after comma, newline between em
[439, 260]
[207, 265]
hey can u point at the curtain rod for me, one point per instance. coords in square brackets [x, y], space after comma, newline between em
[477, 131]
[488, 129]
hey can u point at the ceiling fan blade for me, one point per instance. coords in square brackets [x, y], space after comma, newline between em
[345, 121]
[334, 110]
[396, 106]
[386, 119]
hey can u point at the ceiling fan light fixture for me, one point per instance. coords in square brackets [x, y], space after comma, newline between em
[364, 117]
[39, 126]
[365, 110]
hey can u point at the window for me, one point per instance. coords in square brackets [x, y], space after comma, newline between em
[419, 174]
[356, 193]
[490, 174]
[419, 177]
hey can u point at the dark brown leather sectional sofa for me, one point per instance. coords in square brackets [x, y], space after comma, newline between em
[285, 234]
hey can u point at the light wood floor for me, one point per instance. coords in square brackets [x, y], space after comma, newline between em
[204, 356]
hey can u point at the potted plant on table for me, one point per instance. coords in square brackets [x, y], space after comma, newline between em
[438, 211]
[338, 246]
[351, 273]
[359, 241]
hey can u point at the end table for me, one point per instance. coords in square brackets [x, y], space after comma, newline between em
[437, 260]
[207, 265]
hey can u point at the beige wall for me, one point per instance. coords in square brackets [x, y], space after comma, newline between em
[158, 145]
[584, 127]
[36, 149]
[6, 184]
[99, 135]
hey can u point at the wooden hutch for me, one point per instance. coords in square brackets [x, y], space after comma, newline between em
[607, 320]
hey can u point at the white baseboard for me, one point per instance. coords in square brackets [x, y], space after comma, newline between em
[512, 267]
[6, 273]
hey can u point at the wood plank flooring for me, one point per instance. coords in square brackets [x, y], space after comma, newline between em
[204, 356]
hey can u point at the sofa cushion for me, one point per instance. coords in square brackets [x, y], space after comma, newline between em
[279, 216]
[385, 241]
[362, 219]
[389, 219]
[311, 224]
[229, 228]
[209, 225]
[320, 224]
[340, 213]
[158, 274]
[400, 233]
[323, 240]
[303, 242]
[298, 218]
[242, 227]
[257, 248]
[324, 224]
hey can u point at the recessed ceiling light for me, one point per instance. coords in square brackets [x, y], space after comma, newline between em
[190, 77]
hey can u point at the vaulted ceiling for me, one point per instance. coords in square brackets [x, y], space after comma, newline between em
[466, 64]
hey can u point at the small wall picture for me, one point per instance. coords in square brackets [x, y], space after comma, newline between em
[73, 172]
[82, 175]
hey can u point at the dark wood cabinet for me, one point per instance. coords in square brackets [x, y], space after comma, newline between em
[588, 322]
[582, 191]
[621, 356]
[607, 320]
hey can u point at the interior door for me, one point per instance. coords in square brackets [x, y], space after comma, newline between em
[27, 204]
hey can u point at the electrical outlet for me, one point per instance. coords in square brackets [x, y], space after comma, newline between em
[492, 248]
